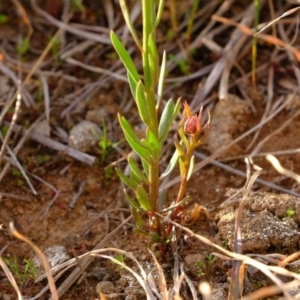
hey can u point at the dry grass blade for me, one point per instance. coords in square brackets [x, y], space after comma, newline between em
[279, 129]
[13, 121]
[42, 257]
[83, 275]
[63, 26]
[15, 162]
[268, 38]
[142, 279]
[288, 259]
[237, 273]
[24, 16]
[10, 278]
[287, 13]
[271, 291]
[277, 166]
[189, 282]
[161, 278]
[233, 46]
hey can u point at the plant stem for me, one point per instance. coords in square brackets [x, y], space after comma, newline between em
[149, 59]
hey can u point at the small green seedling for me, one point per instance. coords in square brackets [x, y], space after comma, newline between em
[211, 259]
[203, 268]
[120, 259]
[23, 46]
[182, 64]
[19, 176]
[77, 5]
[55, 49]
[105, 144]
[3, 19]
[42, 158]
[4, 130]
[108, 174]
[22, 273]
[200, 267]
[290, 212]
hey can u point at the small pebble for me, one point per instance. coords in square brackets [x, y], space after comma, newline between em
[105, 287]
[20, 210]
[6, 297]
[84, 136]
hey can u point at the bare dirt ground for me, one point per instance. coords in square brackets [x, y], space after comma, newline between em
[78, 204]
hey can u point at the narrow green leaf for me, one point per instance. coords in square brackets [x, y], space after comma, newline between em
[153, 144]
[135, 178]
[171, 165]
[136, 169]
[127, 18]
[139, 221]
[143, 198]
[153, 59]
[191, 167]
[140, 148]
[124, 56]
[145, 167]
[179, 148]
[181, 167]
[166, 120]
[132, 84]
[130, 183]
[183, 136]
[159, 13]
[168, 116]
[161, 80]
[142, 103]
[132, 202]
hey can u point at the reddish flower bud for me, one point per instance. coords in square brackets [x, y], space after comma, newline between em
[192, 125]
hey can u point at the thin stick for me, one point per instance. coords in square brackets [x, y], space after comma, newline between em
[243, 174]
[277, 166]
[77, 195]
[83, 274]
[81, 156]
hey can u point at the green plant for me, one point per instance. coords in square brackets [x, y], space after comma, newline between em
[105, 144]
[290, 212]
[144, 179]
[211, 259]
[22, 273]
[3, 18]
[120, 258]
[4, 130]
[203, 268]
[19, 176]
[200, 267]
[55, 49]
[181, 63]
[108, 173]
[77, 5]
[23, 46]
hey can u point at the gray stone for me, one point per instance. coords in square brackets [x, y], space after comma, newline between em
[105, 287]
[84, 136]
